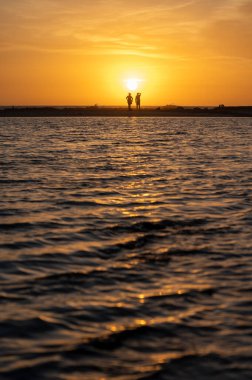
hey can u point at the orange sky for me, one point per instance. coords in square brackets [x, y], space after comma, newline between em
[80, 52]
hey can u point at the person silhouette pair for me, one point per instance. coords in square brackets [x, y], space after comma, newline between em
[129, 99]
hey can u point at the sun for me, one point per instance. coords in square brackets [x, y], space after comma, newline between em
[132, 84]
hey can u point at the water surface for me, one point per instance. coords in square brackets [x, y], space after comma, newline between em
[126, 248]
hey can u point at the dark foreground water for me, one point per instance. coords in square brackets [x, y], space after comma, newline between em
[126, 249]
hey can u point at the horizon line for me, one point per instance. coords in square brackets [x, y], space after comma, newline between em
[117, 106]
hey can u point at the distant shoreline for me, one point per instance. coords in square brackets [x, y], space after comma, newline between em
[94, 111]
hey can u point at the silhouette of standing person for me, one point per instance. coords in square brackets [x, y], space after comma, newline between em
[138, 100]
[129, 101]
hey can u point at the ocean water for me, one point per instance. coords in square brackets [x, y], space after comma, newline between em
[126, 248]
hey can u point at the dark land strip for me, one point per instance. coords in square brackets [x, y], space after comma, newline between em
[242, 111]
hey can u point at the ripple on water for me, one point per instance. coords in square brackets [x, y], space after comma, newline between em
[125, 248]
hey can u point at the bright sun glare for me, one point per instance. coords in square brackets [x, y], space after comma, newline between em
[132, 84]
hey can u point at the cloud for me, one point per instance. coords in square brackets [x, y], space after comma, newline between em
[164, 28]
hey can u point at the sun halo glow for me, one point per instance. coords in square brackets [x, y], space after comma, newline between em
[132, 84]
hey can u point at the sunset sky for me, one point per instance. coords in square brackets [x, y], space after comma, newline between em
[81, 52]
